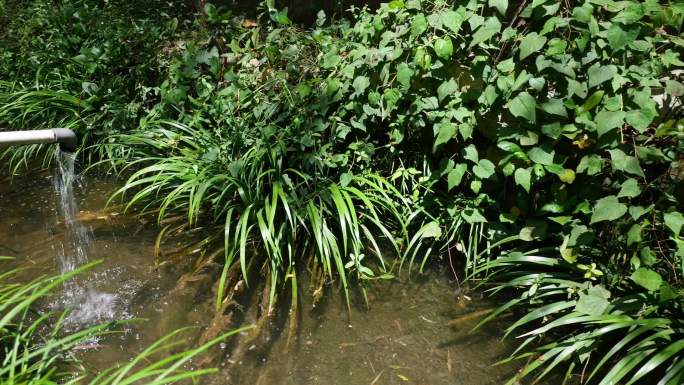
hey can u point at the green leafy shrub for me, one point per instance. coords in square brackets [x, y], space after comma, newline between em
[563, 124]
[249, 135]
[553, 129]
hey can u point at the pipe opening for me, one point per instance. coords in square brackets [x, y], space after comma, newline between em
[67, 139]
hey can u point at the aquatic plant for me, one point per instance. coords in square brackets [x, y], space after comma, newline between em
[604, 336]
[265, 200]
[36, 349]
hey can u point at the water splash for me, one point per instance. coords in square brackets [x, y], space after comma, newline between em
[88, 304]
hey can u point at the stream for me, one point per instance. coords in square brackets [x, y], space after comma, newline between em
[416, 331]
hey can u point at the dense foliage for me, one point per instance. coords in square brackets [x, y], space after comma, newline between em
[540, 140]
[79, 66]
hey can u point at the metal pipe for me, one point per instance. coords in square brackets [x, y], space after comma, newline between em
[65, 137]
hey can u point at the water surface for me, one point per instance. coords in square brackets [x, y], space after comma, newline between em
[415, 332]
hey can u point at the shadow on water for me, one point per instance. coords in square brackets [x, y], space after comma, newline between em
[415, 332]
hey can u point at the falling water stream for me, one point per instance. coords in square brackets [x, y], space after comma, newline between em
[78, 237]
[88, 304]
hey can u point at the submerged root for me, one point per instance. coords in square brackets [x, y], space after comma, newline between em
[317, 283]
[294, 314]
[470, 317]
[223, 316]
[260, 316]
[190, 289]
[230, 312]
[201, 276]
[185, 236]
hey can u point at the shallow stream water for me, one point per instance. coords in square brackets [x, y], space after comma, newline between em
[416, 331]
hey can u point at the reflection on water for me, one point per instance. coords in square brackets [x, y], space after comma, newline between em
[416, 332]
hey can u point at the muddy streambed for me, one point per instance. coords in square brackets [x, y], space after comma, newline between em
[415, 332]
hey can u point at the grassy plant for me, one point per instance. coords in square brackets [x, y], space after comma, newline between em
[609, 337]
[35, 348]
[30, 355]
[284, 212]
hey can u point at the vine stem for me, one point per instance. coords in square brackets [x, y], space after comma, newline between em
[503, 48]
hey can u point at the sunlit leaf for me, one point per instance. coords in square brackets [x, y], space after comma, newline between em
[608, 209]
